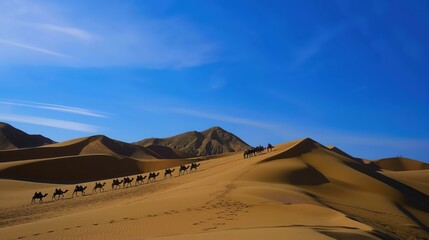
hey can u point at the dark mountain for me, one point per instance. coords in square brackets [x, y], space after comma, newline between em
[212, 141]
[13, 138]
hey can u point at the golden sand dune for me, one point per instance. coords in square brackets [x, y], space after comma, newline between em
[399, 164]
[84, 146]
[301, 190]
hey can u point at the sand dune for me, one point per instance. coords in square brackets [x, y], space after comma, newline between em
[301, 190]
[399, 164]
[85, 146]
[84, 168]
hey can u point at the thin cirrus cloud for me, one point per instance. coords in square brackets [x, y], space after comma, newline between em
[315, 45]
[70, 31]
[56, 107]
[223, 118]
[30, 29]
[49, 122]
[33, 48]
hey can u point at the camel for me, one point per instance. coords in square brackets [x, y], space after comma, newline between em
[59, 192]
[116, 183]
[152, 176]
[194, 166]
[183, 169]
[270, 147]
[168, 172]
[98, 186]
[79, 188]
[140, 179]
[127, 181]
[38, 195]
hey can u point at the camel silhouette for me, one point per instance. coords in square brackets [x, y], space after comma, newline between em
[38, 195]
[98, 185]
[59, 192]
[152, 177]
[270, 147]
[194, 166]
[183, 169]
[116, 184]
[140, 179]
[168, 172]
[79, 188]
[127, 182]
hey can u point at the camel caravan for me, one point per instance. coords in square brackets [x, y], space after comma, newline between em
[116, 183]
[257, 150]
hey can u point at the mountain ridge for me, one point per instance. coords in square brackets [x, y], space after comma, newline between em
[13, 138]
[212, 141]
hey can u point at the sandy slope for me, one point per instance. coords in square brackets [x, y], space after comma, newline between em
[96, 145]
[399, 164]
[301, 190]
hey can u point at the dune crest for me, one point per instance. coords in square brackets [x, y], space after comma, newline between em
[399, 164]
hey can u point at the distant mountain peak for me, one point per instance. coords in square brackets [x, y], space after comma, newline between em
[214, 140]
[13, 138]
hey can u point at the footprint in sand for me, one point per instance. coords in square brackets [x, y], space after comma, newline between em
[95, 224]
[21, 237]
[51, 231]
[208, 229]
[78, 226]
[66, 229]
[36, 234]
[219, 224]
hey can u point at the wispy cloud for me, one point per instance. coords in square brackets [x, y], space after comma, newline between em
[33, 48]
[70, 31]
[49, 122]
[223, 118]
[56, 107]
[98, 40]
[315, 45]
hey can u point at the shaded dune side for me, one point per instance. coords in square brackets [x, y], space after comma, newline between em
[75, 169]
[166, 152]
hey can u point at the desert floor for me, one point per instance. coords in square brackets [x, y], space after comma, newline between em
[301, 190]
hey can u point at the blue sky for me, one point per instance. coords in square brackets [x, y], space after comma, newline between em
[346, 73]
